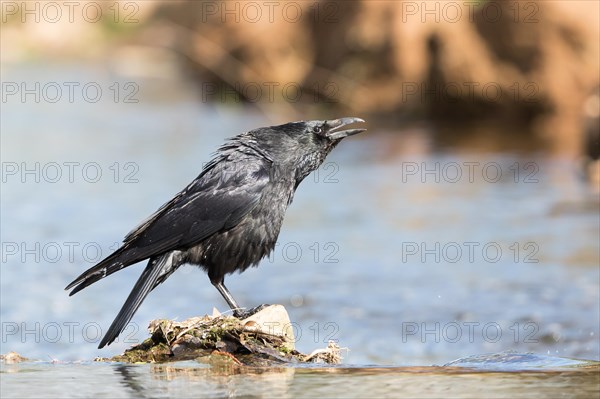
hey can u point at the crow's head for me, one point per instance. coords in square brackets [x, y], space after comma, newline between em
[328, 131]
[302, 146]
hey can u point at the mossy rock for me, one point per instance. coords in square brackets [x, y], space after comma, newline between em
[263, 339]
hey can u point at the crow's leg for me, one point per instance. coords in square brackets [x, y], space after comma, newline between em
[227, 296]
[237, 311]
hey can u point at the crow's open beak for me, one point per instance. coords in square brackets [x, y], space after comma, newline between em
[334, 125]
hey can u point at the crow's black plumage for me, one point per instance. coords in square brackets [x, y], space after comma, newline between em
[228, 218]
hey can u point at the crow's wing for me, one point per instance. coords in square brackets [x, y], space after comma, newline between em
[217, 200]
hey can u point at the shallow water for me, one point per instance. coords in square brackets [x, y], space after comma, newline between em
[385, 249]
[185, 379]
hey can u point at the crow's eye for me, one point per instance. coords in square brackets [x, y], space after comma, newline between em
[317, 129]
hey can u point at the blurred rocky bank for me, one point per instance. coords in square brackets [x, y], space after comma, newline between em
[527, 68]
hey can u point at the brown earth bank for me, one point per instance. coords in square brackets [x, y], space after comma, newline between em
[526, 69]
[531, 65]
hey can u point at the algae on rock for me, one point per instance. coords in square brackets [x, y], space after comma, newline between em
[262, 339]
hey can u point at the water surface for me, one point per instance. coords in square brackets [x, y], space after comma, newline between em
[398, 264]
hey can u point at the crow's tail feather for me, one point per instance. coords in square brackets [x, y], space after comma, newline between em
[156, 271]
[120, 259]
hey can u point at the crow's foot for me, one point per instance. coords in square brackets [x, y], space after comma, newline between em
[244, 314]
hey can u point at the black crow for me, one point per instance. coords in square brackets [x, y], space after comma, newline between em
[228, 218]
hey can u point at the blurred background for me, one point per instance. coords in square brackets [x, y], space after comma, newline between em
[464, 221]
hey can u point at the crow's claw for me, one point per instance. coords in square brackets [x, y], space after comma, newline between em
[244, 314]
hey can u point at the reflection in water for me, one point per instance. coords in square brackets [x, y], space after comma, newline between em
[190, 379]
[179, 379]
[545, 376]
